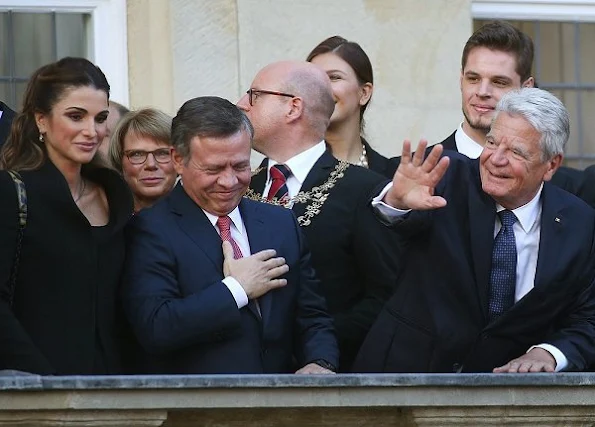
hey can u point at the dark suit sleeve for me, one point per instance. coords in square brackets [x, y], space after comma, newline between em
[314, 332]
[17, 350]
[574, 334]
[162, 318]
[586, 190]
[377, 253]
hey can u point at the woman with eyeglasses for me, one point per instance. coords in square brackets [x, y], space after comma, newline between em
[140, 149]
[352, 82]
[60, 268]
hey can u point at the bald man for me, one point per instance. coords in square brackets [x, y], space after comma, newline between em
[355, 257]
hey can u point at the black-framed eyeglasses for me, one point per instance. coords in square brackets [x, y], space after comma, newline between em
[251, 92]
[138, 157]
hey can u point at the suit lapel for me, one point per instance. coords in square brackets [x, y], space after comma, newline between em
[317, 176]
[553, 222]
[450, 143]
[259, 180]
[482, 217]
[260, 239]
[195, 224]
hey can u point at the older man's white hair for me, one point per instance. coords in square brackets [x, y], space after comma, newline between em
[544, 112]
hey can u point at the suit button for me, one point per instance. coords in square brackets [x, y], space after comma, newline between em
[456, 367]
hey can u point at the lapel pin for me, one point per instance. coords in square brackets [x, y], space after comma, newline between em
[557, 219]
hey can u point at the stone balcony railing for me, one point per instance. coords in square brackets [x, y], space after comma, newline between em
[292, 400]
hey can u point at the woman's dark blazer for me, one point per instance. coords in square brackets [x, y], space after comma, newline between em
[377, 162]
[63, 320]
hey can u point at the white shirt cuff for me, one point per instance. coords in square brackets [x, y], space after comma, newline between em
[385, 211]
[237, 291]
[561, 360]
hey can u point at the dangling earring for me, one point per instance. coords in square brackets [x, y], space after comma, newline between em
[41, 137]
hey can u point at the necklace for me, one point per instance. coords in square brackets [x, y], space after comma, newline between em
[83, 186]
[363, 159]
[315, 198]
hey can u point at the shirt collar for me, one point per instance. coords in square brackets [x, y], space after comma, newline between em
[466, 145]
[301, 164]
[528, 213]
[234, 215]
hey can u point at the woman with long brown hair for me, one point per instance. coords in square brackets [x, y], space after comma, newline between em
[60, 270]
[352, 82]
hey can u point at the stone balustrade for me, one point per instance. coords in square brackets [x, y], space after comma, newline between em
[566, 399]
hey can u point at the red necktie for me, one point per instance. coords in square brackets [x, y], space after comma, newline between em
[279, 174]
[224, 225]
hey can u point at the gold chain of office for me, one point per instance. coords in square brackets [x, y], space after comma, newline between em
[316, 197]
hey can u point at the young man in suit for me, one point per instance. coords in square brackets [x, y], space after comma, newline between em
[6, 117]
[355, 257]
[496, 59]
[500, 268]
[249, 305]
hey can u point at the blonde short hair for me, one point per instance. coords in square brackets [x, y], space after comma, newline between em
[148, 122]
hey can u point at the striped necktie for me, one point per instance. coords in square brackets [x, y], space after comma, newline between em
[279, 174]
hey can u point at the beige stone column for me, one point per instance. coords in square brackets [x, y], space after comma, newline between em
[150, 62]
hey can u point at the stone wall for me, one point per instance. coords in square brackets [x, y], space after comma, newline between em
[291, 400]
[180, 49]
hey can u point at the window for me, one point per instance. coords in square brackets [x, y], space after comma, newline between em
[564, 36]
[30, 40]
[33, 33]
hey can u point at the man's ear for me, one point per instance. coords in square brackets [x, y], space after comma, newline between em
[553, 165]
[178, 160]
[530, 82]
[296, 108]
[367, 89]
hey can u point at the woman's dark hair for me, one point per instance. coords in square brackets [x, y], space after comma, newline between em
[354, 55]
[23, 150]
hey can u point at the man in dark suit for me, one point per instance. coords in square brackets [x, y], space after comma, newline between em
[199, 307]
[500, 270]
[496, 59]
[6, 117]
[355, 257]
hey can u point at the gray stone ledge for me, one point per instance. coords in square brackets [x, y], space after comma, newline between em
[566, 399]
[35, 382]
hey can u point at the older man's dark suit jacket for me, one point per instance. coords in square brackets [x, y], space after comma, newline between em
[437, 320]
[187, 320]
[5, 122]
[356, 258]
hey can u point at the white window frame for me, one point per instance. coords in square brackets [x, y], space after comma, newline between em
[107, 35]
[535, 10]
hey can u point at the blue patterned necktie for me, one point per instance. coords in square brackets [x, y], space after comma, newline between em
[503, 274]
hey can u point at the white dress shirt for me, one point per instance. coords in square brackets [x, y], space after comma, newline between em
[300, 166]
[239, 234]
[466, 145]
[527, 231]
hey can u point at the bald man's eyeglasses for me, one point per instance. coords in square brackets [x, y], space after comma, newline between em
[253, 94]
